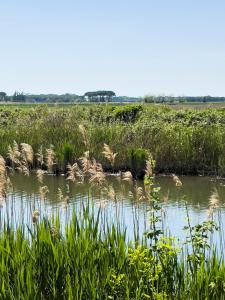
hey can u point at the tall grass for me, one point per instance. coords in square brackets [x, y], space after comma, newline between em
[183, 141]
[93, 259]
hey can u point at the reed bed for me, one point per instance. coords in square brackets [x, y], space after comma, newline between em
[181, 141]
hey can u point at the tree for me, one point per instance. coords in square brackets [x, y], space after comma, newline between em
[99, 96]
[3, 96]
[19, 97]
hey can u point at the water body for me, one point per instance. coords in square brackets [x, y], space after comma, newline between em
[23, 198]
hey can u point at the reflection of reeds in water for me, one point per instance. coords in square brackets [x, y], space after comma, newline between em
[177, 180]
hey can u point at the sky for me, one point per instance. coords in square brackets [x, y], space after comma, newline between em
[135, 48]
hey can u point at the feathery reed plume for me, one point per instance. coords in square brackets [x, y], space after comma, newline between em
[2, 167]
[40, 157]
[127, 176]
[97, 176]
[177, 180]
[43, 192]
[27, 153]
[35, 216]
[40, 175]
[14, 154]
[109, 154]
[23, 168]
[84, 134]
[111, 193]
[85, 163]
[149, 166]
[74, 173]
[4, 179]
[214, 200]
[50, 158]
[140, 195]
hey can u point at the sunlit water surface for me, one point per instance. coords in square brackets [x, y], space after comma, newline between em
[24, 198]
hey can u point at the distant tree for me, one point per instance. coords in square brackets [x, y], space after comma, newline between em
[148, 99]
[100, 96]
[19, 97]
[3, 96]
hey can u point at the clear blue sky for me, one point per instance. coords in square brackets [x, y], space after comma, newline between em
[173, 47]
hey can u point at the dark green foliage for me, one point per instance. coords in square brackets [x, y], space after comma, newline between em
[126, 113]
[136, 159]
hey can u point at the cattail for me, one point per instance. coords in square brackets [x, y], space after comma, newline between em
[109, 154]
[27, 153]
[177, 181]
[127, 176]
[43, 192]
[84, 134]
[50, 159]
[40, 175]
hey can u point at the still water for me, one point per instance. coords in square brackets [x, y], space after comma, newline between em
[23, 198]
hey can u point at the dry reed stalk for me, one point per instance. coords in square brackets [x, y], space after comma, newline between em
[214, 200]
[27, 153]
[177, 180]
[127, 176]
[109, 154]
[40, 156]
[35, 216]
[23, 168]
[97, 176]
[50, 159]
[149, 166]
[43, 192]
[74, 173]
[112, 193]
[86, 163]
[84, 134]
[14, 154]
[140, 193]
[4, 179]
[40, 175]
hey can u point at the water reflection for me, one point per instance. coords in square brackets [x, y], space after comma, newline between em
[24, 198]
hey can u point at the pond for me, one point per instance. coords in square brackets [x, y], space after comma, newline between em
[24, 197]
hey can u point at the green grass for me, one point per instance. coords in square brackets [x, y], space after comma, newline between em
[94, 260]
[185, 141]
